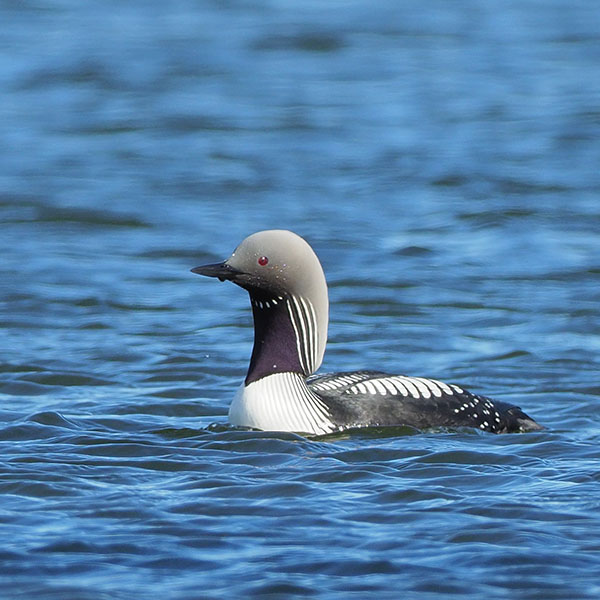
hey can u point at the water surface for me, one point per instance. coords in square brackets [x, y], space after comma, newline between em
[442, 159]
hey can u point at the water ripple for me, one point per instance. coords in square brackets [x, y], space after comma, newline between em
[454, 206]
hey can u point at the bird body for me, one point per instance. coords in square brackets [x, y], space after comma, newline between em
[290, 307]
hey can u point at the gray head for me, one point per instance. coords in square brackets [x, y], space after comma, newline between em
[288, 292]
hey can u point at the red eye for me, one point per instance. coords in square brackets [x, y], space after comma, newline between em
[263, 260]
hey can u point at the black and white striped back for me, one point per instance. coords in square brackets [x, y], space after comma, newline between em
[373, 398]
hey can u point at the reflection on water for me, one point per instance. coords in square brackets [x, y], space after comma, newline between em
[441, 159]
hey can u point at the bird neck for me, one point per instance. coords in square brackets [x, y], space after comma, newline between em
[285, 336]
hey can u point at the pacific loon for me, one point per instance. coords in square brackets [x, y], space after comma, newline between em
[281, 392]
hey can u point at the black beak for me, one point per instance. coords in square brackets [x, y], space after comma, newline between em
[221, 270]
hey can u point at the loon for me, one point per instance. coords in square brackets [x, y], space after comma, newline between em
[290, 306]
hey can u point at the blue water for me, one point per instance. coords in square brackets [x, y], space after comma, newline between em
[443, 160]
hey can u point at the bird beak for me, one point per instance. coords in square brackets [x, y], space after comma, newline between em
[220, 270]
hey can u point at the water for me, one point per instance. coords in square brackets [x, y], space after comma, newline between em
[442, 158]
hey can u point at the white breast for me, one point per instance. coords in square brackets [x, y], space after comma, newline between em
[280, 402]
